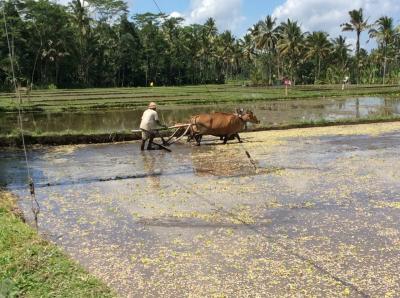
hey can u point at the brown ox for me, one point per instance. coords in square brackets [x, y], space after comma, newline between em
[223, 125]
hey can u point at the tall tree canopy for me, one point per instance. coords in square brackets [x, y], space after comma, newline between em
[95, 43]
[357, 24]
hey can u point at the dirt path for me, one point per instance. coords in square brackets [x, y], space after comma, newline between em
[320, 215]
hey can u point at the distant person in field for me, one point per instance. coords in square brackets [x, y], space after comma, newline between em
[345, 81]
[149, 125]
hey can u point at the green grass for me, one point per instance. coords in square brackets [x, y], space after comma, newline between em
[32, 267]
[86, 99]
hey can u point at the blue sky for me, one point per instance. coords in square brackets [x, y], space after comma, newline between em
[251, 12]
[239, 15]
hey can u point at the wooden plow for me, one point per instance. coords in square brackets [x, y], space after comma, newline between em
[180, 130]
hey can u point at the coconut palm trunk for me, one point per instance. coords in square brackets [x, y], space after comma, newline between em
[358, 55]
[385, 34]
[358, 24]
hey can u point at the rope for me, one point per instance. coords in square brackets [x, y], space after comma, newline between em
[172, 136]
[284, 246]
[157, 6]
[208, 90]
[163, 16]
[35, 207]
[241, 144]
[180, 137]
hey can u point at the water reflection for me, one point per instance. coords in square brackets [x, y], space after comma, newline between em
[209, 160]
[150, 164]
[269, 113]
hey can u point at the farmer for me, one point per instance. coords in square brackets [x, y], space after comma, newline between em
[345, 82]
[148, 125]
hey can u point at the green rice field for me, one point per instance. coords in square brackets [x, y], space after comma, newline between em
[105, 98]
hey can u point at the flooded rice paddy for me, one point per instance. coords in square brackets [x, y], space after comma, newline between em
[319, 216]
[269, 112]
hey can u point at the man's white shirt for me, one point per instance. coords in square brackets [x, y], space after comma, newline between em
[149, 120]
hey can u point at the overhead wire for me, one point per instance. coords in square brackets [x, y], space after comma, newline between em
[35, 207]
[282, 245]
[248, 155]
[163, 16]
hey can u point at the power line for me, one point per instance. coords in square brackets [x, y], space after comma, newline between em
[35, 207]
[251, 160]
[157, 6]
[284, 246]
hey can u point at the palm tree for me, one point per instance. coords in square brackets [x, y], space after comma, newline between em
[237, 58]
[265, 36]
[192, 43]
[208, 37]
[248, 52]
[290, 44]
[81, 22]
[338, 67]
[341, 50]
[211, 27]
[224, 52]
[384, 33]
[358, 24]
[247, 46]
[172, 35]
[318, 47]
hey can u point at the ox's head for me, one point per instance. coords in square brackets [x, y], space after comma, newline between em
[250, 117]
[239, 111]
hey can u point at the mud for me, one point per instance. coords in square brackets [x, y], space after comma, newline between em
[319, 216]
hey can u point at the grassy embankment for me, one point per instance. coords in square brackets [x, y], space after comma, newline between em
[88, 99]
[32, 267]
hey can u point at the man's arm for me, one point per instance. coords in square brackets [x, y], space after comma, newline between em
[160, 124]
[157, 120]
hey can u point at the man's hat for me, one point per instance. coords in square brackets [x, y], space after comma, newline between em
[152, 105]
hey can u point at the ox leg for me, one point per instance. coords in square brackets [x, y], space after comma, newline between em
[226, 139]
[198, 139]
[237, 136]
[191, 135]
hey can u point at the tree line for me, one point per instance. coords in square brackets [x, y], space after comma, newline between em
[95, 43]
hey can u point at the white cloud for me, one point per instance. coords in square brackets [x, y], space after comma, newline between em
[66, 2]
[227, 13]
[328, 15]
[63, 2]
[176, 14]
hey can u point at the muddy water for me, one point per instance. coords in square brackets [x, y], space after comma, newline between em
[270, 113]
[320, 216]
